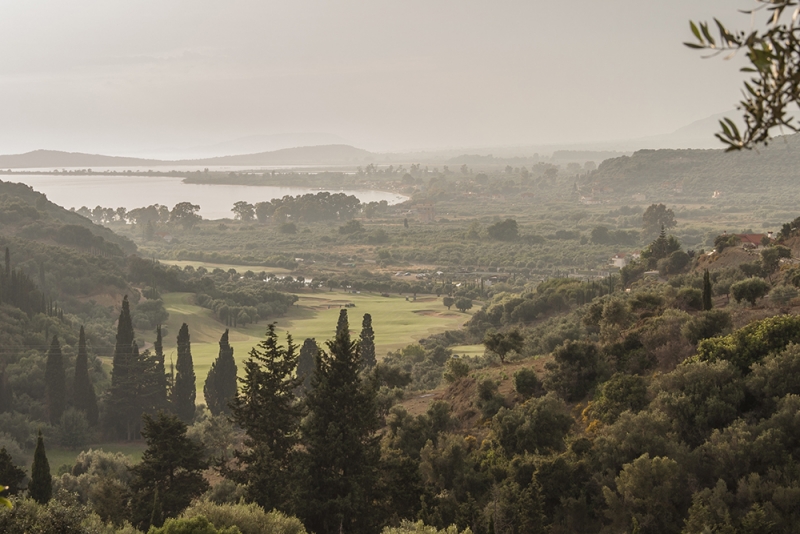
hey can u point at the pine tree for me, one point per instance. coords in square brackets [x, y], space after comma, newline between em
[220, 386]
[367, 342]
[85, 398]
[55, 382]
[184, 392]
[170, 473]
[707, 304]
[305, 365]
[340, 441]
[267, 410]
[11, 475]
[40, 487]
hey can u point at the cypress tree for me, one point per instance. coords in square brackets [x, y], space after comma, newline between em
[122, 399]
[367, 342]
[55, 382]
[160, 373]
[305, 365]
[85, 398]
[184, 392]
[11, 475]
[267, 409]
[40, 487]
[707, 304]
[340, 441]
[220, 386]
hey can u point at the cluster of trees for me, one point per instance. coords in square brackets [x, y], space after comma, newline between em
[310, 207]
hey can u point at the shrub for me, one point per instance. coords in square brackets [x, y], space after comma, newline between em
[527, 384]
[750, 290]
[455, 368]
[249, 518]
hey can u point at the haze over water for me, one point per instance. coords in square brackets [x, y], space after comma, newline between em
[215, 201]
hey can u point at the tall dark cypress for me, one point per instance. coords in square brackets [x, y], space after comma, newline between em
[305, 365]
[160, 373]
[85, 398]
[40, 487]
[55, 382]
[707, 304]
[11, 475]
[367, 342]
[122, 398]
[220, 386]
[184, 392]
[339, 437]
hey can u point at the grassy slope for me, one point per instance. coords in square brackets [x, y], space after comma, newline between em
[396, 322]
[57, 456]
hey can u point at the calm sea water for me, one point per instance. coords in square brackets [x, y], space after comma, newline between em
[130, 192]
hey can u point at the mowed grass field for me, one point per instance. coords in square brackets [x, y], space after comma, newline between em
[396, 321]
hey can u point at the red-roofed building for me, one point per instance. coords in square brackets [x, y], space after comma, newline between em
[752, 241]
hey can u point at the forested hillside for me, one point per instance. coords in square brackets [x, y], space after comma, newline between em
[701, 172]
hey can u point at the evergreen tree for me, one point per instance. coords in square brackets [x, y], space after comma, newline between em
[184, 392]
[121, 403]
[160, 373]
[85, 398]
[340, 441]
[305, 365]
[170, 473]
[55, 382]
[40, 487]
[367, 342]
[707, 304]
[11, 475]
[267, 410]
[220, 386]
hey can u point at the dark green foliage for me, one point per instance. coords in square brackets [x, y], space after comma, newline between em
[448, 301]
[489, 400]
[538, 425]
[10, 475]
[502, 343]
[504, 231]
[170, 473]
[159, 383]
[751, 344]
[267, 409]
[657, 217]
[367, 343]
[620, 393]
[527, 383]
[707, 293]
[85, 397]
[220, 386]
[121, 413]
[339, 436]
[305, 364]
[574, 370]
[55, 382]
[705, 325]
[750, 290]
[195, 525]
[184, 391]
[40, 487]
[463, 304]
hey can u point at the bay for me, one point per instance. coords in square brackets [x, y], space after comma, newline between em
[131, 192]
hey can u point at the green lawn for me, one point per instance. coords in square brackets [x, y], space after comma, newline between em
[468, 350]
[396, 322]
[57, 456]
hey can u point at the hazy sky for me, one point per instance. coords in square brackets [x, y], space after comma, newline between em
[125, 76]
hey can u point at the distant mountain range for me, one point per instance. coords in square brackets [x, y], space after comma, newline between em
[309, 155]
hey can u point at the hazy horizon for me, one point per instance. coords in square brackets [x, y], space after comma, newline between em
[153, 79]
